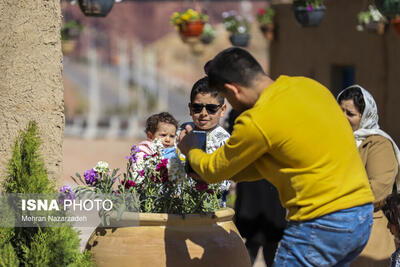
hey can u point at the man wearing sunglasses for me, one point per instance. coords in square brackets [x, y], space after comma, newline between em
[292, 132]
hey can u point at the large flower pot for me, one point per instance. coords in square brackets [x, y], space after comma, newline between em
[389, 8]
[396, 25]
[309, 18]
[96, 8]
[170, 240]
[240, 39]
[192, 29]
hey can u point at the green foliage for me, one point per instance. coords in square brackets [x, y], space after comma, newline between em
[371, 15]
[389, 8]
[235, 23]
[26, 170]
[265, 15]
[35, 246]
[308, 3]
[71, 30]
[8, 258]
[39, 250]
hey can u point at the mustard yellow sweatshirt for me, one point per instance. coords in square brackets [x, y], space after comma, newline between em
[297, 137]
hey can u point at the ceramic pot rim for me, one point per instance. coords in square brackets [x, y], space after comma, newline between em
[165, 219]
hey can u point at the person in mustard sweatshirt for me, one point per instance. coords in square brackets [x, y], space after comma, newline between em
[293, 132]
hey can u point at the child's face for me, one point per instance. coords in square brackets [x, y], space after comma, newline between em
[165, 132]
[205, 120]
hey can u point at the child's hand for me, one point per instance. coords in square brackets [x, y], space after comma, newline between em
[187, 140]
[184, 132]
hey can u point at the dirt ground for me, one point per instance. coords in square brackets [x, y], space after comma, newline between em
[80, 155]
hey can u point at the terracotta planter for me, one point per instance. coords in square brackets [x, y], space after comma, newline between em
[240, 39]
[309, 18]
[192, 29]
[375, 27]
[68, 46]
[170, 240]
[96, 8]
[396, 25]
[268, 31]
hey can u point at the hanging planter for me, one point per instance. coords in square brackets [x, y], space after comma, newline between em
[389, 8]
[309, 17]
[189, 23]
[238, 39]
[70, 32]
[265, 19]
[371, 20]
[238, 26]
[192, 28]
[396, 24]
[309, 13]
[68, 46]
[268, 31]
[96, 8]
[208, 34]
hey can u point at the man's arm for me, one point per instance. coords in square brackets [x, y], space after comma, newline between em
[235, 159]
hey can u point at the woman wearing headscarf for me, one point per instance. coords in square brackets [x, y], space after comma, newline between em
[381, 158]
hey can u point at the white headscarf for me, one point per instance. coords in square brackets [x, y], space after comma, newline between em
[369, 125]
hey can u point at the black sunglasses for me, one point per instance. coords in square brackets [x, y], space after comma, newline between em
[211, 108]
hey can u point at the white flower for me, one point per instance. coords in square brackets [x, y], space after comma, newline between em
[176, 170]
[241, 29]
[101, 167]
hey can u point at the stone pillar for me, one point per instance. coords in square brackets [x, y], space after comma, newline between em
[30, 78]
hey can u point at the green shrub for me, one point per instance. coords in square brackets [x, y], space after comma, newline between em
[35, 246]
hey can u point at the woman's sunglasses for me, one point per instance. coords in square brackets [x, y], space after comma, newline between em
[211, 108]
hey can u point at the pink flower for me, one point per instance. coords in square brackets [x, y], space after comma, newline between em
[210, 191]
[201, 186]
[309, 8]
[261, 11]
[128, 184]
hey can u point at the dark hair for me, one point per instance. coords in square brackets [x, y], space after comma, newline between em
[232, 65]
[354, 93]
[153, 121]
[201, 87]
[391, 209]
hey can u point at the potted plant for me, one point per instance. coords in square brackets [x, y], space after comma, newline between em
[172, 220]
[238, 26]
[265, 18]
[70, 32]
[396, 24]
[208, 34]
[389, 8]
[371, 20]
[309, 13]
[96, 8]
[189, 23]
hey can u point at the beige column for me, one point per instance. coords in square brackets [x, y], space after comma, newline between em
[30, 78]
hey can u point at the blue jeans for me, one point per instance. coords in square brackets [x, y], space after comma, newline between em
[334, 239]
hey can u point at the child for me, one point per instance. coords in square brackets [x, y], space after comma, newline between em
[162, 126]
[206, 108]
[391, 209]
